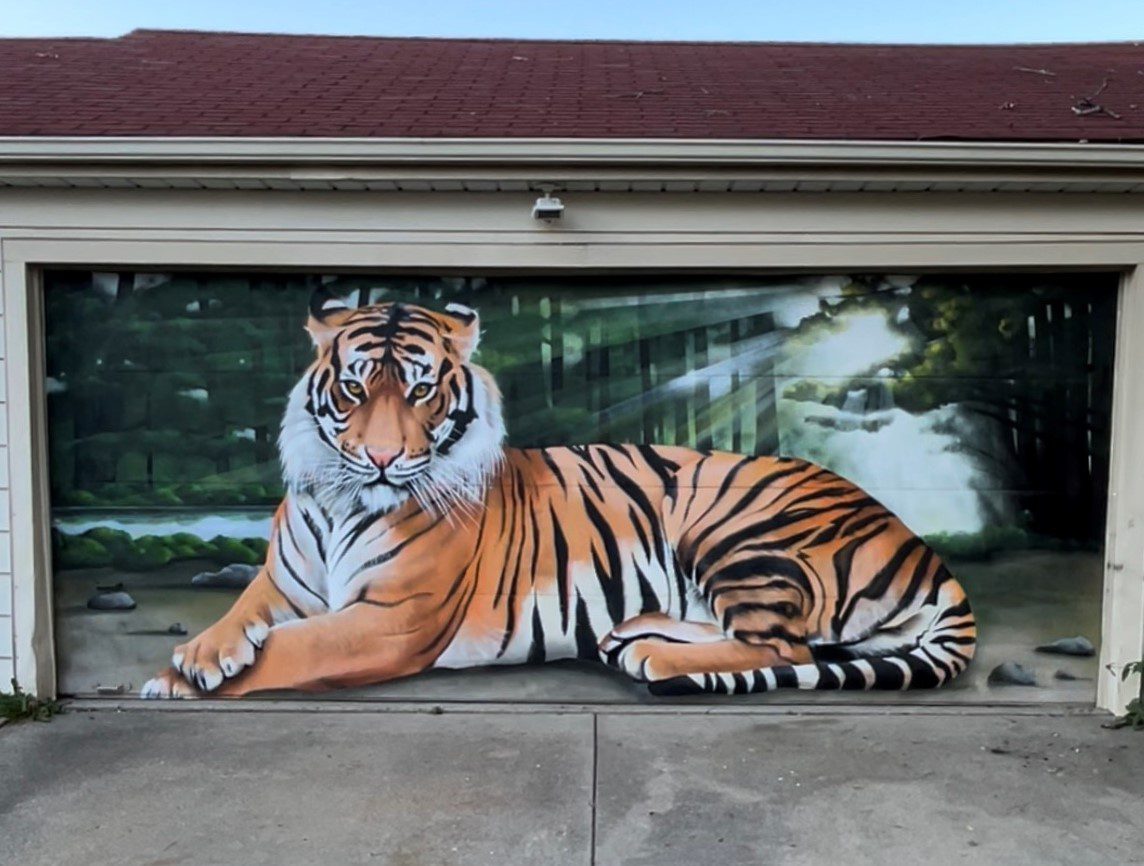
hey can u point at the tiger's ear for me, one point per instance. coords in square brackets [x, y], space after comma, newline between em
[464, 329]
[328, 314]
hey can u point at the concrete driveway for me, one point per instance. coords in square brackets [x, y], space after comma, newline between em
[276, 784]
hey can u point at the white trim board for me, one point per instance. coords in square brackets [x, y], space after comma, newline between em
[517, 151]
[633, 165]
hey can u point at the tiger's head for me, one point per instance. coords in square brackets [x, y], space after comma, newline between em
[392, 407]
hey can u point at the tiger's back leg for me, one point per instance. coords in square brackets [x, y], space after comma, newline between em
[628, 645]
[655, 646]
[763, 600]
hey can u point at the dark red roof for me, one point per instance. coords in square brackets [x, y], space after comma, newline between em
[170, 83]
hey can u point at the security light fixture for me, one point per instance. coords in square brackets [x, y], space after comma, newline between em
[548, 207]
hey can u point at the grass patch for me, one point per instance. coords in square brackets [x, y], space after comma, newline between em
[20, 705]
[1134, 713]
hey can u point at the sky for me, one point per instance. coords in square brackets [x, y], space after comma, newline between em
[972, 21]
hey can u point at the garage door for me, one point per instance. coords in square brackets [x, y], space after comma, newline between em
[971, 411]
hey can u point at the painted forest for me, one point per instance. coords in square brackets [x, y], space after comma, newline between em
[166, 390]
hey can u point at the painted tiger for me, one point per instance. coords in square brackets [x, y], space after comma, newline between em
[411, 538]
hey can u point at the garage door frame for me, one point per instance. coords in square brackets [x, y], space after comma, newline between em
[893, 232]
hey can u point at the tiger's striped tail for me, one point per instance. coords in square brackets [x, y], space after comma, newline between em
[942, 652]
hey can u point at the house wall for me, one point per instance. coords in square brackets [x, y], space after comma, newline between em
[494, 231]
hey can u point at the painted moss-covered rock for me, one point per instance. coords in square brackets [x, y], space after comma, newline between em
[1069, 646]
[1012, 674]
[111, 601]
[234, 576]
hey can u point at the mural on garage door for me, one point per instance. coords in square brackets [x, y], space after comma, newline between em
[640, 520]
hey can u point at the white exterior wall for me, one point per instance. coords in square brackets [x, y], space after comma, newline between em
[336, 231]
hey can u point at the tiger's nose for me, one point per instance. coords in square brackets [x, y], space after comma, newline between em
[382, 457]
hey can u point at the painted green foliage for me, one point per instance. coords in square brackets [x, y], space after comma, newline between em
[102, 546]
[174, 398]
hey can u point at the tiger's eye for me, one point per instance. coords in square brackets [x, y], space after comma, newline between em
[420, 391]
[354, 389]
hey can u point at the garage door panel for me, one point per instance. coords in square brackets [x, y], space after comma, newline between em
[973, 406]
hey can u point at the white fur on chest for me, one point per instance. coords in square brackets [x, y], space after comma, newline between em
[351, 563]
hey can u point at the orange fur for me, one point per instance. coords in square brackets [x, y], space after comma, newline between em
[663, 561]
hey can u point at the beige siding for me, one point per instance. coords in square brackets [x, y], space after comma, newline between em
[6, 642]
[7, 650]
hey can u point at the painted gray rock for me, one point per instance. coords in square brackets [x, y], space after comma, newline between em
[1065, 675]
[236, 576]
[1011, 674]
[1069, 646]
[111, 601]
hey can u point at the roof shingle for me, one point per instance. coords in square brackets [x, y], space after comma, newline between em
[174, 83]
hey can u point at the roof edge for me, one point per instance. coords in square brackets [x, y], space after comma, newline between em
[146, 32]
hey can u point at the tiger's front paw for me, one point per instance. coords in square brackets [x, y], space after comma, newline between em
[220, 652]
[168, 684]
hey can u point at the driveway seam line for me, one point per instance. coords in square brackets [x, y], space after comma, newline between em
[595, 784]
